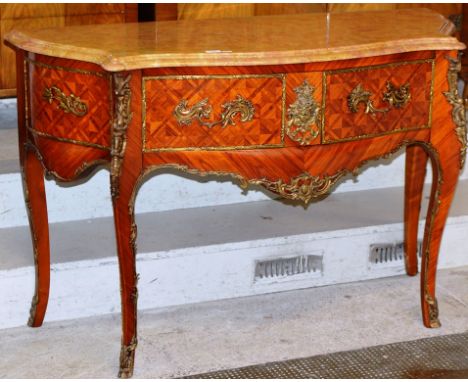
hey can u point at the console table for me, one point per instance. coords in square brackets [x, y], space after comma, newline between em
[290, 103]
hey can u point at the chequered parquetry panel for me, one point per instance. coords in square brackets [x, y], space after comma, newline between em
[342, 124]
[163, 131]
[92, 89]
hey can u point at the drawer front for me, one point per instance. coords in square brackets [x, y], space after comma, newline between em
[213, 112]
[70, 104]
[367, 102]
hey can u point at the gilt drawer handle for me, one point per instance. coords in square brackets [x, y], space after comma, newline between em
[202, 111]
[69, 104]
[396, 97]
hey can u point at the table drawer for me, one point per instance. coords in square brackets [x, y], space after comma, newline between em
[213, 112]
[371, 101]
[70, 104]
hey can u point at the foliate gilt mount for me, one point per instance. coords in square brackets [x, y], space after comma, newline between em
[458, 106]
[123, 116]
[303, 115]
[396, 97]
[201, 111]
[69, 104]
[304, 187]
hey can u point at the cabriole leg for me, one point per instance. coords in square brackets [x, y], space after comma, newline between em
[415, 173]
[126, 231]
[447, 151]
[445, 170]
[32, 174]
[36, 205]
[126, 165]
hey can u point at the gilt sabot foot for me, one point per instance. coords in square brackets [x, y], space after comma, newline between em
[433, 308]
[127, 358]
[32, 313]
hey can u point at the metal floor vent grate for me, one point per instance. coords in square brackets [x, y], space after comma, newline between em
[389, 253]
[289, 266]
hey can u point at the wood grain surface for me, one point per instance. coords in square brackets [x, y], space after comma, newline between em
[125, 227]
[32, 173]
[415, 174]
[88, 84]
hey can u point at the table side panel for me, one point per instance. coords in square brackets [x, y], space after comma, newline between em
[69, 146]
[65, 161]
[70, 103]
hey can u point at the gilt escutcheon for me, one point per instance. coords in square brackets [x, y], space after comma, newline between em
[303, 115]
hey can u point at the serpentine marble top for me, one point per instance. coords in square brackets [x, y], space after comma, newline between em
[263, 40]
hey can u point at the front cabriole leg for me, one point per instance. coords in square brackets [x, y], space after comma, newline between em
[126, 166]
[36, 204]
[32, 171]
[447, 152]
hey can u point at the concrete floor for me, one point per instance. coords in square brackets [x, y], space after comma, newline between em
[233, 333]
